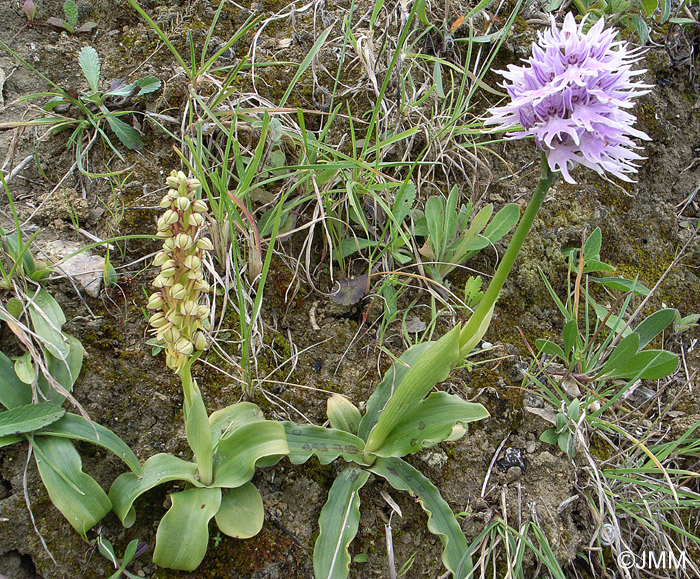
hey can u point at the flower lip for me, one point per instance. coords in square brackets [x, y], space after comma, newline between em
[571, 95]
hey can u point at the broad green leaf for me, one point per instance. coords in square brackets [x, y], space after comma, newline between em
[352, 245]
[654, 325]
[147, 84]
[431, 421]
[432, 367]
[621, 284]
[592, 245]
[89, 62]
[377, 401]
[76, 427]
[29, 418]
[548, 347]
[183, 533]
[451, 216]
[158, 469]
[327, 444]
[24, 368]
[641, 27]
[647, 365]
[612, 321]
[127, 135]
[10, 439]
[242, 513]
[666, 11]
[47, 318]
[223, 422]
[13, 392]
[64, 371]
[70, 9]
[236, 455]
[343, 414]
[441, 520]
[81, 500]
[339, 521]
[550, 436]
[622, 354]
[502, 222]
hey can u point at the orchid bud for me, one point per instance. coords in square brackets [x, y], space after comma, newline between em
[159, 282]
[178, 291]
[195, 220]
[199, 206]
[183, 241]
[165, 202]
[202, 312]
[193, 262]
[184, 346]
[182, 203]
[160, 258]
[193, 184]
[157, 320]
[172, 180]
[200, 341]
[171, 334]
[155, 301]
[205, 244]
[170, 217]
[189, 308]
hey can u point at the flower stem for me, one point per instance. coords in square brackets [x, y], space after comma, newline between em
[197, 425]
[477, 325]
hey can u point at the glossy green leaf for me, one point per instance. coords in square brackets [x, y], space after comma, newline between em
[29, 418]
[622, 354]
[24, 368]
[621, 284]
[549, 347]
[441, 520]
[237, 455]
[343, 414]
[76, 494]
[198, 432]
[339, 521]
[646, 365]
[327, 444]
[183, 533]
[502, 222]
[377, 401]
[64, 371]
[158, 469]
[654, 325]
[127, 135]
[431, 421]
[13, 392]
[76, 427]
[242, 513]
[89, 62]
[432, 367]
[572, 341]
[223, 422]
[10, 439]
[549, 436]
[47, 318]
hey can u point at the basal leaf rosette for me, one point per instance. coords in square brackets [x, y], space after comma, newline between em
[179, 323]
[573, 96]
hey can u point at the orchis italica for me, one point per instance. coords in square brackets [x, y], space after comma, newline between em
[180, 283]
[573, 98]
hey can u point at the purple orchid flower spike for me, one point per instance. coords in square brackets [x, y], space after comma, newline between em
[573, 97]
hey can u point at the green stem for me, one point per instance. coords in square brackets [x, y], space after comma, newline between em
[197, 425]
[477, 325]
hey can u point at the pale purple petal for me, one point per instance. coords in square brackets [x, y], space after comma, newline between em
[571, 96]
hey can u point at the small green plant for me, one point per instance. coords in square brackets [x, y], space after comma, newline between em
[227, 444]
[70, 24]
[401, 418]
[29, 9]
[94, 108]
[33, 390]
[133, 550]
[453, 234]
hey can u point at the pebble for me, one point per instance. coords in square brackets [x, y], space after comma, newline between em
[84, 267]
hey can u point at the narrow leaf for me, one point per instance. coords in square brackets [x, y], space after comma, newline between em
[242, 512]
[343, 414]
[183, 533]
[339, 521]
[654, 325]
[441, 520]
[647, 365]
[621, 284]
[127, 135]
[549, 347]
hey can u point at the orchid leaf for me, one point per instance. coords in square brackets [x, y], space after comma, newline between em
[29, 418]
[441, 520]
[339, 521]
[325, 443]
[242, 513]
[183, 533]
[13, 392]
[76, 494]
[223, 422]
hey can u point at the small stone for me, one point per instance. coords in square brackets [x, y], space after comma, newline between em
[84, 267]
